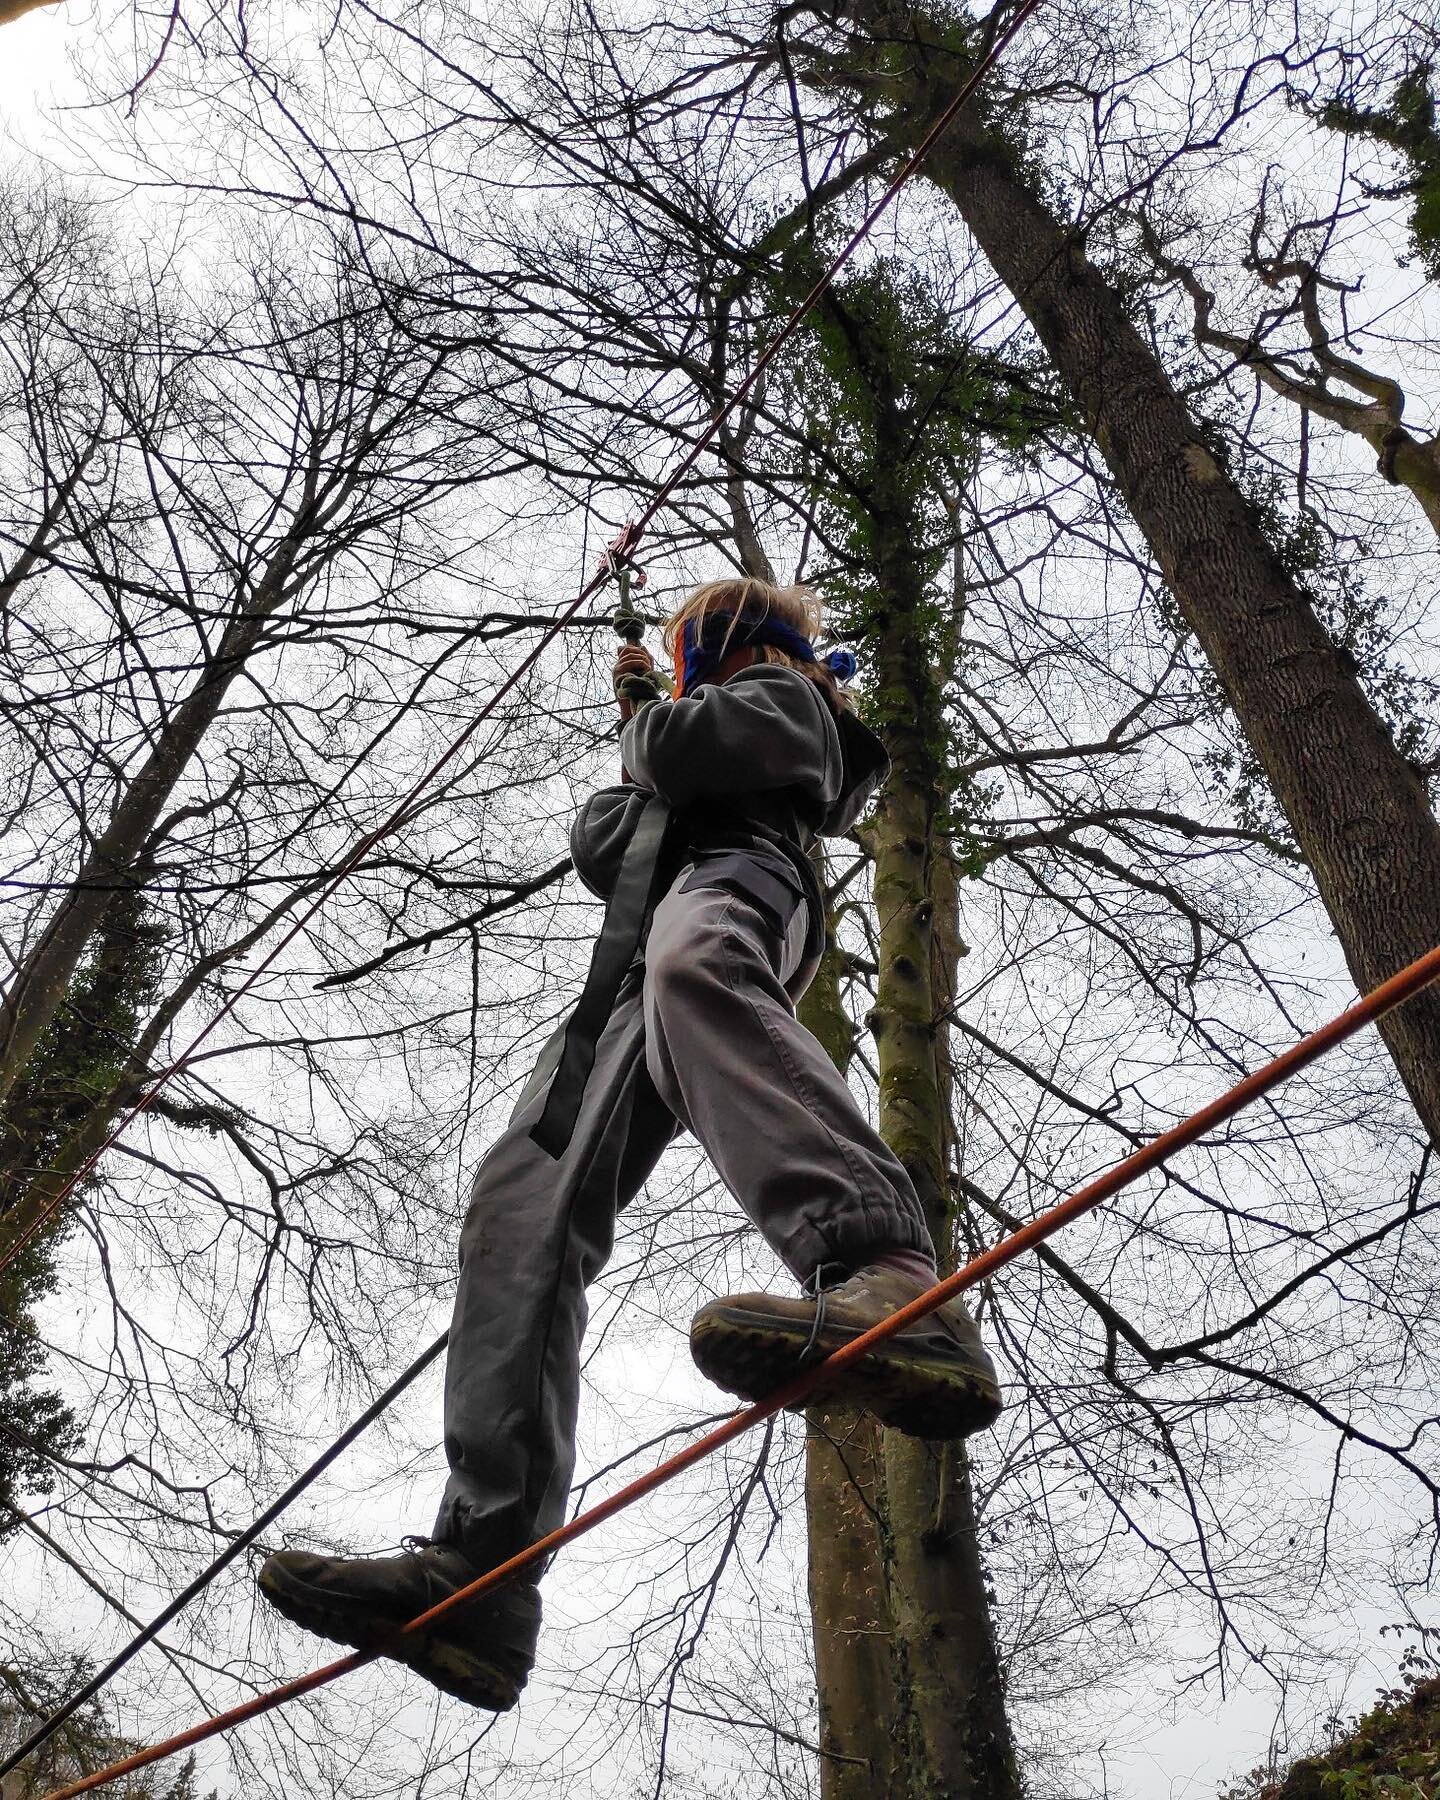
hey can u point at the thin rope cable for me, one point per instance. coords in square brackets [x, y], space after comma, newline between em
[391, 824]
[1390, 994]
[239, 1544]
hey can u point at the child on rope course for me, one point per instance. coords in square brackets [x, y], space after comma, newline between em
[714, 925]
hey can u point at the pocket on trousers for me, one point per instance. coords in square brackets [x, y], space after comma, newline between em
[771, 896]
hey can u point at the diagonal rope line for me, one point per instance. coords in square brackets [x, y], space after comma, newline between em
[1389, 995]
[397, 818]
[241, 1542]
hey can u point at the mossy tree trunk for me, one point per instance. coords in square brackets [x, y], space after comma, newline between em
[1360, 812]
[844, 1507]
[911, 1695]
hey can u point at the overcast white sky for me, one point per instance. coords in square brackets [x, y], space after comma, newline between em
[33, 70]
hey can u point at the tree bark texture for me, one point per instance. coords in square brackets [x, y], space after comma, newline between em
[908, 1676]
[1359, 810]
[17, 9]
[911, 1694]
[954, 1733]
[844, 1515]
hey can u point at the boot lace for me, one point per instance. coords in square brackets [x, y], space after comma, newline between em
[817, 1285]
[437, 1585]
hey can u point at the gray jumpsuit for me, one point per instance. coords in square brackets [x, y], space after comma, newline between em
[702, 1036]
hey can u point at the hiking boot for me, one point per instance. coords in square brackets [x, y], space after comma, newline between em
[481, 1652]
[932, 1380]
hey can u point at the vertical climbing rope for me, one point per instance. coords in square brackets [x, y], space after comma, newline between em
[619, 560]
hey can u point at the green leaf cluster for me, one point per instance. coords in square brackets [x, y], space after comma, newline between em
[1391, 1753]
[1408, 126]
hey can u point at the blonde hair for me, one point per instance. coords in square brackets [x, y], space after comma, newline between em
[797, 606]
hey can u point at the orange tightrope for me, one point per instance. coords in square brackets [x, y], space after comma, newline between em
[1391, 994]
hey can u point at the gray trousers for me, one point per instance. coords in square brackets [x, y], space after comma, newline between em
[703, 1036]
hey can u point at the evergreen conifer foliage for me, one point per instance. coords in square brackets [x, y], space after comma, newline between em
[83, 1745]
[80, 1065]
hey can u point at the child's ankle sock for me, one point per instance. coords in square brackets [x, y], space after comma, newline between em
[914, 1263]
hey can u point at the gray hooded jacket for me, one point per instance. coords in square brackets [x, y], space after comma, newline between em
[753, 771]
[762, 766]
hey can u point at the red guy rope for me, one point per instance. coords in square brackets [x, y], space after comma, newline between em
[1391, 994]
[367, 843]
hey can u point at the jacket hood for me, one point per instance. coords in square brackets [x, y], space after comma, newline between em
[865, 766]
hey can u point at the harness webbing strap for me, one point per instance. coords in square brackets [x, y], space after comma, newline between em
[628, 543]
[355, 858]
[619, 943]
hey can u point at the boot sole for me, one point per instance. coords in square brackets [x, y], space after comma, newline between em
[752, 1354]
[453, 1667]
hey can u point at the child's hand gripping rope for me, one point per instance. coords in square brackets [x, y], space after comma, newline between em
[636, 679]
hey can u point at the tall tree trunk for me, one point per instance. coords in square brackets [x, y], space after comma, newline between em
[908, 1676]
[844, 1511]
[43, 978]
[911, 1697]
[956, 1736]
[1359, 811]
